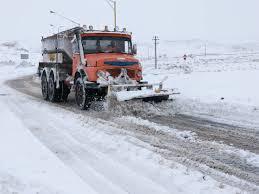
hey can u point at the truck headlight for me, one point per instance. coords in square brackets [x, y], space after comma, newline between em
[139, 73]
[103, 74]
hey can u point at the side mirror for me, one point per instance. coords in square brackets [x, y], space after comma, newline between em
[135, 49]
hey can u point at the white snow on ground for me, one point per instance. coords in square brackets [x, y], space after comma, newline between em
[251, 158]
[230, 87]
[230, 96]
[219, 86]
[26, 166]
[101, 155]
[10, 54]
[83, 155]
[184, 135]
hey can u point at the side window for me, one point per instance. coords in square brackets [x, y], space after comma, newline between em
[75, 47]
[130, 47]
[127, 46]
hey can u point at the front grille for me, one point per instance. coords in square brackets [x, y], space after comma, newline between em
[121, 63]
[116, 72]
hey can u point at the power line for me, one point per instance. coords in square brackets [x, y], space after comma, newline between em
[66, 18]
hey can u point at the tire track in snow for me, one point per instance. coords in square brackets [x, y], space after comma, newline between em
[195, 153]
[212, 131]
[103, 174]
[191, 153]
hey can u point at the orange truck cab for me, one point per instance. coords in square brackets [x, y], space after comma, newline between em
[107, 52]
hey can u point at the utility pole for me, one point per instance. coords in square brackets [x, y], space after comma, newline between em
[113, 5]
[205, 46]
[148, 53]
[156, 39]
[115, 15]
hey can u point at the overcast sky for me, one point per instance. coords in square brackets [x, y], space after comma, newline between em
[218, 20]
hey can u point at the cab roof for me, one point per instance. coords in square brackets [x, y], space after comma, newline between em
[90, 33]
[105, 33]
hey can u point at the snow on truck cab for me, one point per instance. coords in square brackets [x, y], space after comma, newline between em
[94, 64]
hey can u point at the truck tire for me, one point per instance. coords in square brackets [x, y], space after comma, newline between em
[44, 87]
[82, 99]
[65, 92]
[53, 92]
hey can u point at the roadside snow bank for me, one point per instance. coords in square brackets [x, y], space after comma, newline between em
[27, 167]
[231, 87]
[220, 87]
[251, 158]
[184, 135]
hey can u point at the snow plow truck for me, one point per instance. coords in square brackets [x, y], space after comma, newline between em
[94, 64]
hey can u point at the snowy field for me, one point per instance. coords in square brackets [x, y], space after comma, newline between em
[40, 153]
[221, 85]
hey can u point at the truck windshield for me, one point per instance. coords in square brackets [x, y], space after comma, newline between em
[107, 45]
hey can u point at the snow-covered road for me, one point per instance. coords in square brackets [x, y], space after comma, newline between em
[181, 146]
[86, 138]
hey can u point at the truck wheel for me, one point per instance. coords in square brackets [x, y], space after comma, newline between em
[53, 92]
[44, 87]
[65, 92]
[82, 99]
